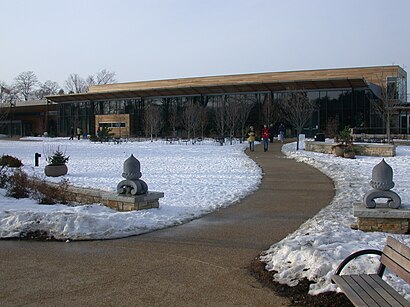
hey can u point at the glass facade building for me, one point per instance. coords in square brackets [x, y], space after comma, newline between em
[346, 107]
[343, 97]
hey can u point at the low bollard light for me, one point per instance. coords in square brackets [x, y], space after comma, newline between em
[36, 158]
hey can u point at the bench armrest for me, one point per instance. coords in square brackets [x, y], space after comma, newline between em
[355, 255]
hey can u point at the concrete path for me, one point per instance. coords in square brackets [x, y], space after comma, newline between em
[203, 262]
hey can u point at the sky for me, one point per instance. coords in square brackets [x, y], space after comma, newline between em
[143, 40]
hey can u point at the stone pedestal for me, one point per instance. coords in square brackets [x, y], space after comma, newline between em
[382, 219]
[132, 202]
[112, 199]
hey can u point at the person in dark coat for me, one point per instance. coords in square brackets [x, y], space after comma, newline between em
[282, 132]
[72, 133]
[271, 132]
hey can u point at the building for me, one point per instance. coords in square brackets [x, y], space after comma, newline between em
[21, 118]
[226, 105]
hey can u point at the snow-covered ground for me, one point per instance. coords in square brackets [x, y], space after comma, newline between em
[198, 179]
[316, 249]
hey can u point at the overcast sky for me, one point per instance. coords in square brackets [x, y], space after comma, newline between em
[162, 39]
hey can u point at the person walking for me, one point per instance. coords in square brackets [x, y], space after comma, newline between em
[271, 132]
[71, 134]
[281, 132]
[251, 138]
[78, 133]
[265, 137]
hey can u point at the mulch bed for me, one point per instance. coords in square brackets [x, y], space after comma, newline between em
[298, 295]
[37, 235]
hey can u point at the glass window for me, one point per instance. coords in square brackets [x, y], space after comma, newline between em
[392, 88]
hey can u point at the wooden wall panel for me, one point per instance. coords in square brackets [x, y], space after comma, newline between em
[115, 118]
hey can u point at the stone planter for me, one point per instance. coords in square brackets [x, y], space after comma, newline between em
[339, 150]
[349, 154]
[55, 170]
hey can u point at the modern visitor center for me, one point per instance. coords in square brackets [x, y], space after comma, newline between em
[211, 105]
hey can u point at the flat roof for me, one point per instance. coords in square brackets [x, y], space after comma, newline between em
[212, 89]
[241, 83]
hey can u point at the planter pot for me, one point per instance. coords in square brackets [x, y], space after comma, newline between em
[349, 155]
[55, 170]
[339, 150]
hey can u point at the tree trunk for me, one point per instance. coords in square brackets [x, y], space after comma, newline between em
[388, 128]
[298, 131]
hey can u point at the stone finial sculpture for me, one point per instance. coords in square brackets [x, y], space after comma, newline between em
[382, 182]
[132, 185]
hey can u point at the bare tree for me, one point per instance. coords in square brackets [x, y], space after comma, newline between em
[5, 91]
[26, 83]
[203, 119]
[190, 118]
[8, 97]
[246, 103]
[90, 81]
[47, 88]
[220, 115]
[173, 116]
[152, 120]
[76, 84]
[102, 77]
[8, 93]
[268, 110]
[4, 102]
[388, 99]
[105, 77]
[232, 114]
[297, 108]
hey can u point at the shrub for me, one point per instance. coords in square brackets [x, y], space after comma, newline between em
[332, 127]
[56, 156]
[17, 185]
[10, 161]
[4, 177]
[46, 193]
[103, 135]
[345, 136]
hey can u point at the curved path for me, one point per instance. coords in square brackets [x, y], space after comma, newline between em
[203, 262]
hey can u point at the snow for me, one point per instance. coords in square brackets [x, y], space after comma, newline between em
[198, 179]
[316, 249]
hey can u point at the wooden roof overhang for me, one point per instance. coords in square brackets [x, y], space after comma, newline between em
[230, 88]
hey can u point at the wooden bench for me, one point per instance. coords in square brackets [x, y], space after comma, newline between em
[371, 289]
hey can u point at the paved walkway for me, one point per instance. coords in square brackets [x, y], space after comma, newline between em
[203, 262]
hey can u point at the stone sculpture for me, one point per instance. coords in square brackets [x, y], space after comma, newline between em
[382, 182]
[132, 185]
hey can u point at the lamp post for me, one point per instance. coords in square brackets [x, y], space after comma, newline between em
[11, 116]
[46, 124]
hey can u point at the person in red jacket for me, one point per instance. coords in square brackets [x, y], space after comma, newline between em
[265, 137]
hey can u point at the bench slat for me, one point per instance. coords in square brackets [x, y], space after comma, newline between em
[353, 291]
[398, 246]
[396, 263]
[369, 290]
[396, 257]
[395, 267]
[385, 290]
[376, 298]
